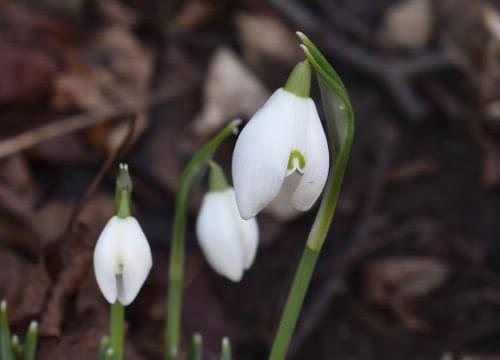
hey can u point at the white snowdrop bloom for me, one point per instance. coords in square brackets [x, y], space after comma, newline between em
[122, 260]
[228, 242]
[284, 137]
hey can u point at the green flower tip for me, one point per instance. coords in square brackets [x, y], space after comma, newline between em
[123, 180]
[226, 349]
[236, 125]
[15, 340]
[33, 326]
[123, 193]
[301, 36]
[110, 353]
[174, 352]
[299, 81]
[3, 306]
[217, 180]
[197, 338]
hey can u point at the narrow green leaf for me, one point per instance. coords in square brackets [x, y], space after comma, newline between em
[16, 347]
[191, 173]
[30, 341]
[5, 340]
[110, 354]
[320, 58]
[340, 124]
[196, 350]
[103, 348]
[226, 350]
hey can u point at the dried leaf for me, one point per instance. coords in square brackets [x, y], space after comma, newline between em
[231, 90]
[265, 36]
[78, 259]
[408, 25]
[403, 277]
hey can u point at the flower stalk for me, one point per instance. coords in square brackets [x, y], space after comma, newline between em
[177, 251]
[340, 124]
[123, 194]
[117, 329]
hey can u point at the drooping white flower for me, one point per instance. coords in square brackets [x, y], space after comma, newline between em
[228, 242]
[122, 260]
[122, 257]
[284, 137]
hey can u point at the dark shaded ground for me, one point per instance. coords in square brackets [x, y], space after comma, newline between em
[411, 269]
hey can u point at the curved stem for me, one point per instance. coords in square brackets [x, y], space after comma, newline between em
[177, 250]
[340, 121]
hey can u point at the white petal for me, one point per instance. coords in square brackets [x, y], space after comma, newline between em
[300, 110]
[219, 237]
[248, 231]
[106, 260]
[281, 207]
[317, 163]
[136, 259]
[261, 154]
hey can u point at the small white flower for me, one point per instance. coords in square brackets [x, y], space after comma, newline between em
[228, 242]
[122, 260]
[284, 137]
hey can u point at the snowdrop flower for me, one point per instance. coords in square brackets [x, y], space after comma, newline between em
[228, 242]
[122, 257]
[285, 137]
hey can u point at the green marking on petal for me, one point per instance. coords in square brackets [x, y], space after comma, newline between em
[296, 160]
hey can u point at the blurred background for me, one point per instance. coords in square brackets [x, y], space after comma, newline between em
[411, 269]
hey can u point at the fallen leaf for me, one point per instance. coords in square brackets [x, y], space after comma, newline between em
[264, 36]
[231, 90]
[25, 74]
[408, 25]
[192, 15]
[400, 283]
[77, 258]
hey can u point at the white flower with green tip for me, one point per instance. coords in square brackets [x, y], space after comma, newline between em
[122, 256]
[228, 242]
[284, 137]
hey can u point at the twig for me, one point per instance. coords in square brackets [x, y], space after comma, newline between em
[396, 73]
[96, 181]
[81, 121]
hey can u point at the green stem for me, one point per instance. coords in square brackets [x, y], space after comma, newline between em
[294, 303]
[340, 121]
[117, 331]
[176, 266]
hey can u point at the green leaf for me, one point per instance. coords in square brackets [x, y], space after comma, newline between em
[17, 348]
[5, 339]
[226, 350]
[340, 124]
[30, 341]
[103, 348]
[196, 350]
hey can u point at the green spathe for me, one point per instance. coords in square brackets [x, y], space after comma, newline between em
[299, 81]
[217, 180]
[123, 192]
